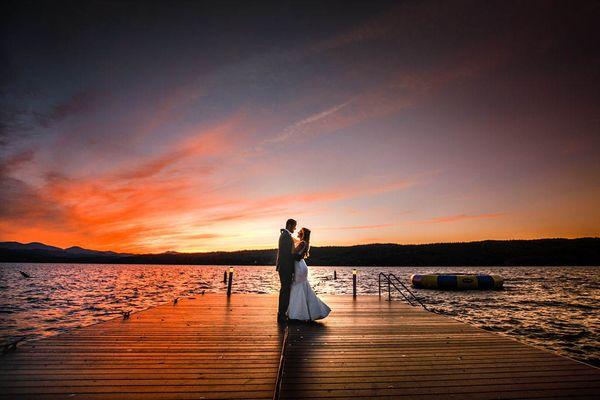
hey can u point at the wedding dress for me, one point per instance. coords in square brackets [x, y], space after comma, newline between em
[304, 303]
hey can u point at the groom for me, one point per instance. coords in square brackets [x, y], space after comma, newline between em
[285, 267]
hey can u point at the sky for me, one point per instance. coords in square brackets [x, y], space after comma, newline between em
[187, 126]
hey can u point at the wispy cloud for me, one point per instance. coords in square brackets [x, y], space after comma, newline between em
[461, 217]
[79, 103]
[279, 205]
[356, 228]
[397, 93]
[214, 141]
[305, 125]
[344, 115]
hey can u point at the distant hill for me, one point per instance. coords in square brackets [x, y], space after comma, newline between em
[28, 246]
[40, 252]
[583, 251]
[81, 251]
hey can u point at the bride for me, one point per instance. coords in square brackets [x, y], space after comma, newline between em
[304, 303]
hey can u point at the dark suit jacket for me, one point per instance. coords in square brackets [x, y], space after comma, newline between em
[285, 258]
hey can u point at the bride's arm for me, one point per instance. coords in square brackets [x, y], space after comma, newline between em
[299, 251]
[300, 247]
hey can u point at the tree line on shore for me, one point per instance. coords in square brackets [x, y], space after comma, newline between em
[559, 252]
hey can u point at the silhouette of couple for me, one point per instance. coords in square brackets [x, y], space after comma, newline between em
[297, 300]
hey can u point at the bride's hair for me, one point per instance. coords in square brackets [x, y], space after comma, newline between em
[305, 233]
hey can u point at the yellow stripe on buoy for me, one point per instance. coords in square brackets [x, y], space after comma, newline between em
[429, 281]
[466, 282]
[498, 281]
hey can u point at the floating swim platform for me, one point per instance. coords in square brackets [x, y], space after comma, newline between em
[457, 281]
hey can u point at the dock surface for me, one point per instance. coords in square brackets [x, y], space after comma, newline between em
[211, 346]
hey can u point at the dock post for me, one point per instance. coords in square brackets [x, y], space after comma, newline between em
[229, 281]
[334, 274]
[354, 282]
[224, 276]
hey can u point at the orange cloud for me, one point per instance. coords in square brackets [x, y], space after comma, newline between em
[121, 207]
[281, 205]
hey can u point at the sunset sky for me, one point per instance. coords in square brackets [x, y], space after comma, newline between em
[189, 127]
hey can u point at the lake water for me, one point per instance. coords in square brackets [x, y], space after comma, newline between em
[555, 308]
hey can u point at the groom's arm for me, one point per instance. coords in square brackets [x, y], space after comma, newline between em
[290, 253]
[286, 250]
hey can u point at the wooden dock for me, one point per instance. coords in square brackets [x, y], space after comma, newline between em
[211, 346]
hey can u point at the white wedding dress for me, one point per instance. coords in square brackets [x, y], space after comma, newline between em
[304, 303]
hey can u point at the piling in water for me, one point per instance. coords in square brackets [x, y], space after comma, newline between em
[229, 281]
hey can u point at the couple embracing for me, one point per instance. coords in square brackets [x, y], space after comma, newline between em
[297, 300]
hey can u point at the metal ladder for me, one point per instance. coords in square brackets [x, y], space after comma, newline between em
[393, 281]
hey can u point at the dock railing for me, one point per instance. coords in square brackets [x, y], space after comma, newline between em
[393, 281]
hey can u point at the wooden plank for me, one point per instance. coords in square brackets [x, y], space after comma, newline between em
[446, 381]
[422, 373]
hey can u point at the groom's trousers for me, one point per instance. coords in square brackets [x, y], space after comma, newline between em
[284, 293]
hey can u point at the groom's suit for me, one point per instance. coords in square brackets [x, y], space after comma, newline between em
[285, 267]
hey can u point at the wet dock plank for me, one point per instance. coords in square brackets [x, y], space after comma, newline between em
[213, 347]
